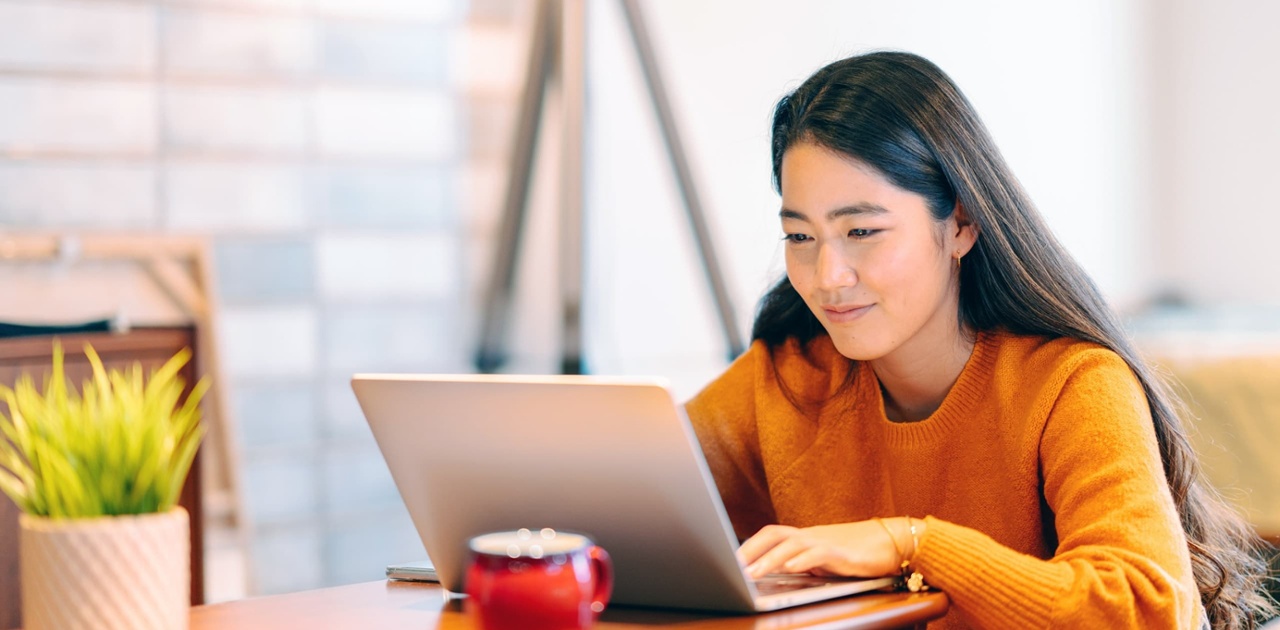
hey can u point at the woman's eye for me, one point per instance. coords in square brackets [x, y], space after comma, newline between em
[796, 238]
[862, 233]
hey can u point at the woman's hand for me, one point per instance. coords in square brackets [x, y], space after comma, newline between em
[862, 549]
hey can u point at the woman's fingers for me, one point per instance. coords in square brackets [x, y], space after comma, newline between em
[818, 560]
[764, 540]
[775, 559]
[852, 549]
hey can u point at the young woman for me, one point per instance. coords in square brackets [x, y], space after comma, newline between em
[936, 388]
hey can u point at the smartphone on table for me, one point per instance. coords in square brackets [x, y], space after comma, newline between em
[418, 571]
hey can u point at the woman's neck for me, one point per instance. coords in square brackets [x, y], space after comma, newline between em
[914, 384]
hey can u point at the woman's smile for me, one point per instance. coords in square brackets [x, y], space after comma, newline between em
[843, 314]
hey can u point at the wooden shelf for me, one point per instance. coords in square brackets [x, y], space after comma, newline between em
[33, 355]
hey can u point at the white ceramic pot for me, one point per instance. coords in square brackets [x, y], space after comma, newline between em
[114, 572]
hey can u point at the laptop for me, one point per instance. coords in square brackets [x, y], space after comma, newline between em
[612, 458]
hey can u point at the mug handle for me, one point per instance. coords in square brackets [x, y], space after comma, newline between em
[603, 568]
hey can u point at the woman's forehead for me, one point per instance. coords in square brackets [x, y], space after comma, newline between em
[820, 183]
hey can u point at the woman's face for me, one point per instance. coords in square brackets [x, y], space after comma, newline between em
[868, 258]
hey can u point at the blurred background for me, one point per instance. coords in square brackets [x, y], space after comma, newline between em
[346, 160]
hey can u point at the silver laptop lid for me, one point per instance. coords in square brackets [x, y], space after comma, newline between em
[611, 458]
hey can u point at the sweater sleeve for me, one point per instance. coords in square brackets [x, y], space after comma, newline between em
[723, 416]
[1122, 560]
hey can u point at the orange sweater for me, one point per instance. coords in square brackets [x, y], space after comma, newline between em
[1039, 477]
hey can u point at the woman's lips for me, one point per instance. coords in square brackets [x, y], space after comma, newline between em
[843, 314]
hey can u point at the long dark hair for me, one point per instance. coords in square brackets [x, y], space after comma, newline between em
[901, 114]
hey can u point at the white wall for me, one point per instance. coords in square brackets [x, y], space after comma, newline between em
[1215, 102]
[1056, 87]
[1143, 129]
[315, 145]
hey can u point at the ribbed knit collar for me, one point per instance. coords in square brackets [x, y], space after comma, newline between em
[960, 403]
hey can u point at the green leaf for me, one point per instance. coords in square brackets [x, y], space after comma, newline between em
[17, 491]
[123, 445]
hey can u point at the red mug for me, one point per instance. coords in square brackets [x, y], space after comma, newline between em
[544, 580]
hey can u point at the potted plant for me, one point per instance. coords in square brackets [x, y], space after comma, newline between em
[97, 474]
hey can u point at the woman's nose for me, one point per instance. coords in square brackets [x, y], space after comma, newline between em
[835, 270]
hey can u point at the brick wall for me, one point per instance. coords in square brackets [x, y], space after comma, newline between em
[320, 145]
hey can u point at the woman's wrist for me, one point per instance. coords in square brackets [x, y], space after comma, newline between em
[892, 531]
[904, 534]
[910, 570]
[915, 531]
[902, 537]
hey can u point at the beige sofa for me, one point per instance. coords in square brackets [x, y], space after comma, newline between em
[1230, 383]
[1235, 428]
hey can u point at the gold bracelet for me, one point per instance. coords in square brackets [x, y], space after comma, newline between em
[915, 581]
[915, 539]
[902, 560]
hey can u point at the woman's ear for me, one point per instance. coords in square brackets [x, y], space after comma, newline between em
[966, 231]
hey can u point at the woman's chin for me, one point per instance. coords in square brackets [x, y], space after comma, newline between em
[859, 349]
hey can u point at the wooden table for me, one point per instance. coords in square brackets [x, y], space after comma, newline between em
[391, 604]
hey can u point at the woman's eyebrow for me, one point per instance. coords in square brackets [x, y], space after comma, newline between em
[857, 209]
